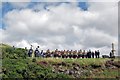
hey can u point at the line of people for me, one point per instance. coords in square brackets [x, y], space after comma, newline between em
[64, 53]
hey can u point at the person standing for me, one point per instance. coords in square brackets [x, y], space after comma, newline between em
[36, 53]
[92, 54]
[30, 52]
[89, 54]
[79, 53]
[83, 54]
[96, 54]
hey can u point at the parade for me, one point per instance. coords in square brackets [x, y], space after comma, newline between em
[64, 53]
[73, 54]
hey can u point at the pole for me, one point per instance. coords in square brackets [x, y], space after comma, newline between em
[113, 50]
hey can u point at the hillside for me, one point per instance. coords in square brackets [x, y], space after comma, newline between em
[16, 64]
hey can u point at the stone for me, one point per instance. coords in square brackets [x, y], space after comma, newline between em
[76, 68]
[63, 64]
[61, 70]
[75, 64]
[117, 64]
[67, 72]
[71, 72]
[95, 66]
[109, 63]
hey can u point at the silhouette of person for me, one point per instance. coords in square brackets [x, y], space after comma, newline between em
[89, 54]
[30, 51]
[98, 54]
[83, 54]
[36, 53]
[92, 54]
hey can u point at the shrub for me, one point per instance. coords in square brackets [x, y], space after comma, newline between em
[34, 60]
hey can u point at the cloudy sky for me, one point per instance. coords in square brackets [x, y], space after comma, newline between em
[63, 25]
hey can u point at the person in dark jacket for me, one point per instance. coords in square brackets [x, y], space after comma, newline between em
[89, 54]
[96, 54]
[30, 52]
[92, 54]
[83, 54]
[36, 53]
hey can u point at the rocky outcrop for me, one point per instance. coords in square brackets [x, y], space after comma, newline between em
[112, 64]
[76, 70]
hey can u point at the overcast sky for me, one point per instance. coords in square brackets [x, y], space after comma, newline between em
[62, 25]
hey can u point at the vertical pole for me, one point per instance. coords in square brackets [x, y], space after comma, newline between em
[113, 49]
[112, 46]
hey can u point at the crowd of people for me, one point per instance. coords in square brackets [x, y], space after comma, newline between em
[64, 53]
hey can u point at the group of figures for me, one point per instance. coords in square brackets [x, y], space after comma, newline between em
[64, 53]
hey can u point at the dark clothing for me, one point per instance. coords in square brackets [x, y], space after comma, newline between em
[36, 53]
[89, 54]
[92, 54]
[82, 55]
[30, 52]
[96, 54]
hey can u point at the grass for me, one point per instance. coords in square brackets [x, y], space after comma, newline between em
[21, 64]
[83, 62]
[106, 73]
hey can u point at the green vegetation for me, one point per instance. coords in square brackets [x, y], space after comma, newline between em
[16, 64]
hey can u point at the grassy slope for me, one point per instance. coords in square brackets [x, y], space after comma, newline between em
[13, 65]
[99, 73]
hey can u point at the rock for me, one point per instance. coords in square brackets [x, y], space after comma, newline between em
[95, 66]
[43, 63]
[112, 64]
[59, 64]
[117, 64]
[109, 63]
[63, 64]
[79, 72]
[113, 67]
[53, 71]
[118, 77]
[71, 72]
[84, 67]
[67, 72]
[61, 70]
[75, 64]
[76, 68]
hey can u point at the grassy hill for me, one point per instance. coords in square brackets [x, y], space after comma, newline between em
[16, 64]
